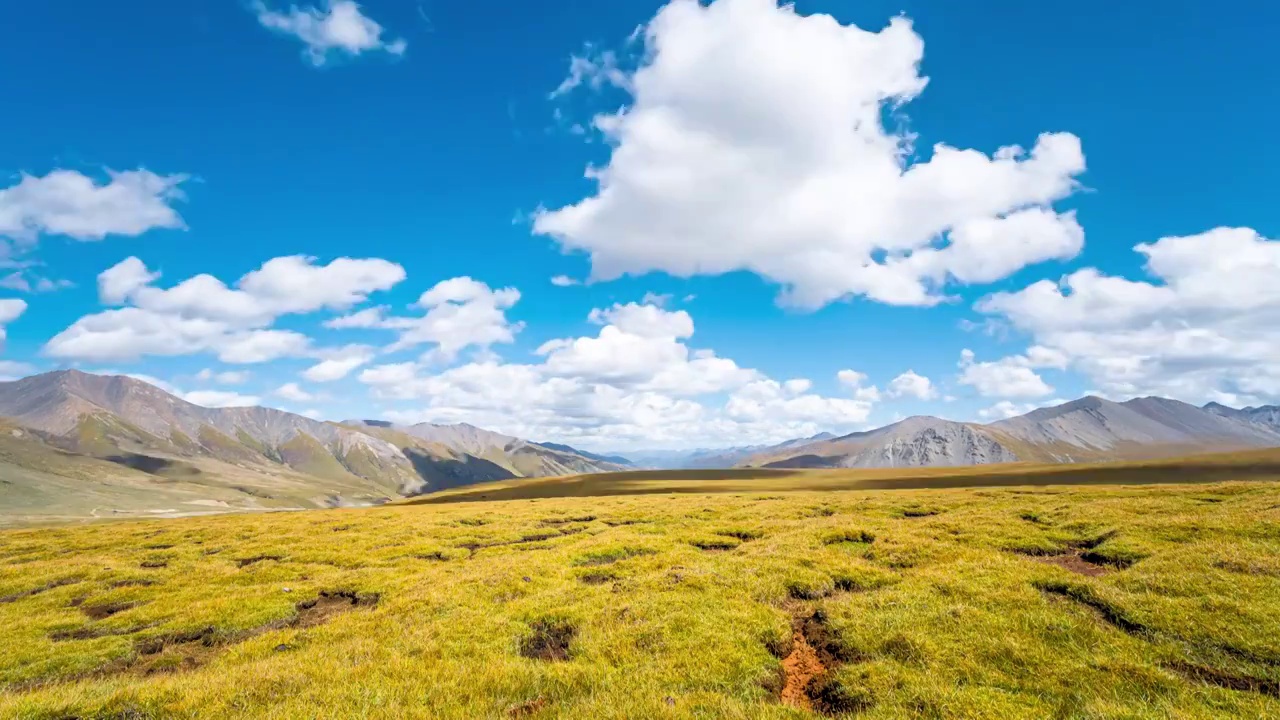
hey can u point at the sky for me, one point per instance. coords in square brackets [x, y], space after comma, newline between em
[633, 224]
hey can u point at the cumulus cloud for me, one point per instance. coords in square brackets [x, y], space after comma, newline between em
[337, 26]
[564, 281]
[226, 377]
[635, 382]
[912, 385]
[69, 203]
[221, 399]
[202, 314]
[13, 370]
[1010, 377]
[754, 141]
[338, 363]
[459, 313]
[10, 309]
[292, 391]
[1206, 326]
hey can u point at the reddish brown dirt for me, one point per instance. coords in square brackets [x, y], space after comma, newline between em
[527, 708]
[1075, 563]
[800, 666]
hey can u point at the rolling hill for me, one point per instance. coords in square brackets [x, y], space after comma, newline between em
[77, 444]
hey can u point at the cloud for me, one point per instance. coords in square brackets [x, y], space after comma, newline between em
[221, 399]
[12, 370]
[1010, 377]
[460, 313]
[594, 69]
[227, 377]
[68, 203]
[338, 363]
[1205, 327]
[22, 281]
[911, 385]
[10, 309]
[291, 391]
[337, 26]
[1006, 409]
[853, 380]
[637, 382]
[202, 314]
[564, 281]
[754, 140]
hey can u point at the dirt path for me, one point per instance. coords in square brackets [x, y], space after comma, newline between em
[801, 665]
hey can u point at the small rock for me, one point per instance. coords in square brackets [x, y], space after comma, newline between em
[281, 647]
[527, 579]
[288, 590]
[670, 701]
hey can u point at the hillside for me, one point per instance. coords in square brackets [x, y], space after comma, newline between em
[85, 445]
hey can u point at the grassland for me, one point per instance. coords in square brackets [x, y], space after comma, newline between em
[1153, 601]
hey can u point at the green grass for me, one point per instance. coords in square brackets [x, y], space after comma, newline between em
[950, 603]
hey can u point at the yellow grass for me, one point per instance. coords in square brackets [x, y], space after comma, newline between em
[1154, 601]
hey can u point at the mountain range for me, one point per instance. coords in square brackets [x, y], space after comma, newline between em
[75, 445]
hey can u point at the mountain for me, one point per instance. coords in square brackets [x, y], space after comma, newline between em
[614, 459]
[516, 457]
[1088, 429]
[1267, 415]
[76, 444]
[914, 442]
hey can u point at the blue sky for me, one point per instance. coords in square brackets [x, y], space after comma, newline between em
[431, 142]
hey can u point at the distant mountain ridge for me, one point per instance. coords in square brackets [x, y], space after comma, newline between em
[150, 449]
[1088, 429]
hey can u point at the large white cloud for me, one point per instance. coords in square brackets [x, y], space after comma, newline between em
[1010, 377]
[337, 26]
[634, 383]
[202, 314]
[66, 202]
[912, 385]
[754, 141]
[1205, 327]
[459, 313]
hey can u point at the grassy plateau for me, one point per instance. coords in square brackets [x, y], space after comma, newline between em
[755, 595]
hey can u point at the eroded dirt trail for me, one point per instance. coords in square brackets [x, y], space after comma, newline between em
[801, 666]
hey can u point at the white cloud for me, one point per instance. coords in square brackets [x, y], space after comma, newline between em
[910, 384]
[22, 281]
[635, 383]
[338, 26]
[66, 202]
[221, 399]
[10, 309]
[338, 363]
[594, 69]
[1206, 327]
[1010, 377]
[564, 281]
[1006, 409]
[754, 141]
[226, 377]
[202, 314]
[460, 313]
[292, 391]
[13, 370]
[854, 380]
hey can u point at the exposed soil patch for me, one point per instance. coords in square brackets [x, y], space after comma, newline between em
[714, 544]
[153, 564]
[598, 577]
[800, 667]
[526, 708]
[61, 582]
[1211, 676]
[438, 555]
[105, 610]
[1085, 595]
[246, 562]
[131, 582]
[809, 669]
[628, 521]
[849, 536]
[920, 512]
[611, 555]
[549, 640]
[566, 520]
[743, 535]
[330, 603]
[1074, 561]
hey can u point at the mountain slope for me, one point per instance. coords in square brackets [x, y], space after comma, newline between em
[133, 448]
[914, 442]
[1088, 429]
[1267, 416]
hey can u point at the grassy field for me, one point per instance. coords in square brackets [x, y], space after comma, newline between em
[1152, 601]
